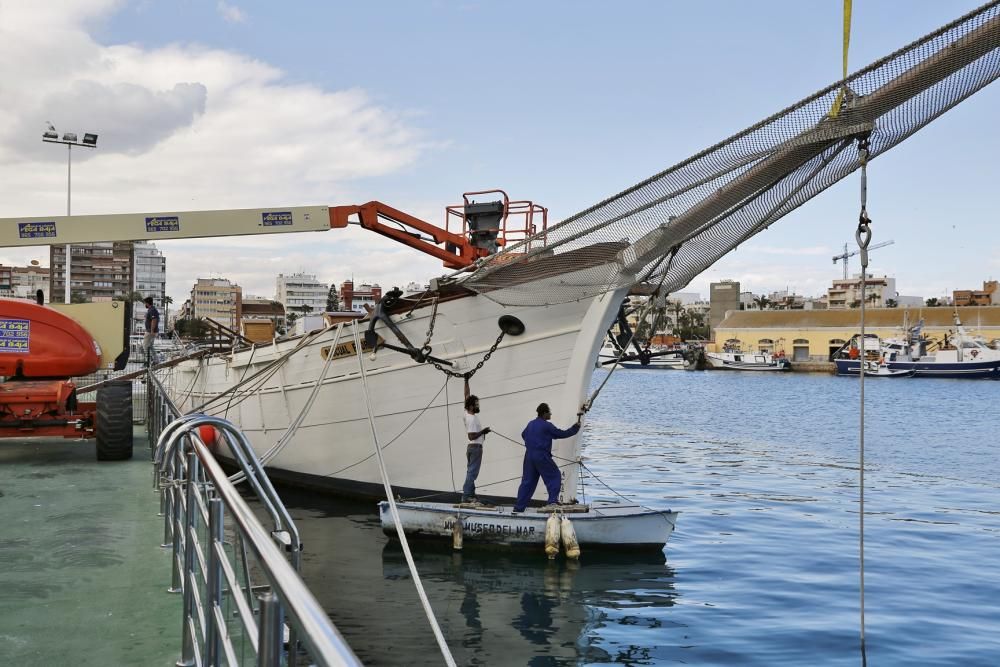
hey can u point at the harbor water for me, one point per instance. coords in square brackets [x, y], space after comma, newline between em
[763, 568]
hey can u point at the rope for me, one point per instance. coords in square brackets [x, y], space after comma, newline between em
[582, 465]
[289, 433]
[864, 237]
[413, 421]
[246, 369]
[842, 93]
[447, 422]
[442, 644]
[273, 367]
[621, 352]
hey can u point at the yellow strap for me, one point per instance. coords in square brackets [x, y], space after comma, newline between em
[847, 43]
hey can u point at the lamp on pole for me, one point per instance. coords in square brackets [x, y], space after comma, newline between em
[70, 140]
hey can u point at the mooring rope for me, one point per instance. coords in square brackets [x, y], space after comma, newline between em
[420, 413]
[293, 428]
[442, 644]
[583, 466]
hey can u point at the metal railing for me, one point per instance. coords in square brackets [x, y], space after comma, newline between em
[220, 548]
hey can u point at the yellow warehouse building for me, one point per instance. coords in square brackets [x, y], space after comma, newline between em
[813, 335]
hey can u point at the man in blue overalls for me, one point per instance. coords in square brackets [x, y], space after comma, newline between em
[538, 436]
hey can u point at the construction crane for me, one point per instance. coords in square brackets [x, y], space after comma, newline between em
[852, 253]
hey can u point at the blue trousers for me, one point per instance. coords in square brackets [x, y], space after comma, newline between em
[474, 459]
[538, 464]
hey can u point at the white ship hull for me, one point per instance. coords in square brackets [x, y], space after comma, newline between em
[418, 414]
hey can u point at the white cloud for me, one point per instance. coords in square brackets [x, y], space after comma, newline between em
[186, 127]
[230, 13]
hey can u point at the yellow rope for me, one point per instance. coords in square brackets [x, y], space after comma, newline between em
[847, 43]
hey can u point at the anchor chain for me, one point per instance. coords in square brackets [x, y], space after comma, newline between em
[425, 349]
[468, 374]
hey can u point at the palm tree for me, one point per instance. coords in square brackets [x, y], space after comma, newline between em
[678, 309]
[933, 301]
[762, 302]
[891, 303]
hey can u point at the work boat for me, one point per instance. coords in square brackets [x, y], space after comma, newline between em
[522, 315]
[748, 361]
[959, 356]
[657, 358]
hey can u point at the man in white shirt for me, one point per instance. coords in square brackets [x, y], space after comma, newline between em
[474, 451]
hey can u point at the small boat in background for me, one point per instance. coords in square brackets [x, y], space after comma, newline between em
[879, 369]
[654, 358]
[748, 361]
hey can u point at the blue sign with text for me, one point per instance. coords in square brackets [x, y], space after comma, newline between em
[14, 335]
[276, 218]
[165, 223]
[36, 230]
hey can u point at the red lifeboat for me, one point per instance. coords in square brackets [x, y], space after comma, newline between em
[39, 342]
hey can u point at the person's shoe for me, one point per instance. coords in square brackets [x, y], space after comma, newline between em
[517, 511]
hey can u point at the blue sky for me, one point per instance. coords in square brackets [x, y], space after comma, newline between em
[205, 104]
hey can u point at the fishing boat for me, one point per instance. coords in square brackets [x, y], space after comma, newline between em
[962, 356]
[597, 525]
[748, 361]
[522, 318]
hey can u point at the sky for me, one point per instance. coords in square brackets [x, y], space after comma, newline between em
[205, 104]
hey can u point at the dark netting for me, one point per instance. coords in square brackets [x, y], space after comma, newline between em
[669, 228]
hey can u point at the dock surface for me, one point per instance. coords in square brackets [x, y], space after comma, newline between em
[83, 579]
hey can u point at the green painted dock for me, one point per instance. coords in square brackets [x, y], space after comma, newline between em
[83, 579]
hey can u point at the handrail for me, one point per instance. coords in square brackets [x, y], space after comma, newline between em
[196, 493]
[251, 467]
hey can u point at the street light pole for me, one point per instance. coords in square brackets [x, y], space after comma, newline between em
[69, 138]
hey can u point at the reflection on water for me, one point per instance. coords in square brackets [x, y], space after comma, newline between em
[763, 566]
[494, 607]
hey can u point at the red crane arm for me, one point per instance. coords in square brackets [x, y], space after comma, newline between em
[457, 252]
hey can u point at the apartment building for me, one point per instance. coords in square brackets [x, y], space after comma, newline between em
[301, 292]
[150, 271]
[100, 271]
[218, 299]
[847, 293]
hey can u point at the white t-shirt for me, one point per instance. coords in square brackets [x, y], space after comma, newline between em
[472, 425]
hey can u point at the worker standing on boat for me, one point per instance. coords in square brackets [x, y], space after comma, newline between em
[538, 436]
[474, 451]
[152, 328]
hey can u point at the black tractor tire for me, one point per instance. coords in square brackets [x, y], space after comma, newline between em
[113, 426]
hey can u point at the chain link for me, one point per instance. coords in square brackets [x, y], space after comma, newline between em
[426, 349]
[468, 374]
[864, 233]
